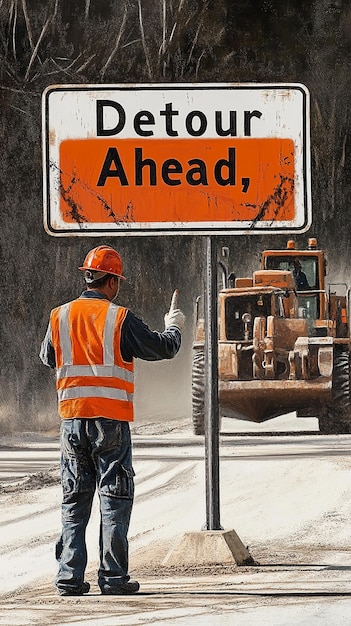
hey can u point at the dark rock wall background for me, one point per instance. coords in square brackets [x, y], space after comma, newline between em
[44, 42]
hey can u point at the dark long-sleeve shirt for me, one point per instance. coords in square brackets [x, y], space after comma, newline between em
[137, 340]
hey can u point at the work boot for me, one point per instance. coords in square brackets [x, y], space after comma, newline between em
[124, 589]
[74, 591]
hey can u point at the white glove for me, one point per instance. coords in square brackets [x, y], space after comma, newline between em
[174, 317]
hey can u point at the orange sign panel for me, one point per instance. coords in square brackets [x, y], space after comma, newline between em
[176, 181]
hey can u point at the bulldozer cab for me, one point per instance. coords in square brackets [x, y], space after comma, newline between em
[308, 269]
[327, 313]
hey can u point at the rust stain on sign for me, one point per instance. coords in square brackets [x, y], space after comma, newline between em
[70, 194]
[277, 202]
[75, 210]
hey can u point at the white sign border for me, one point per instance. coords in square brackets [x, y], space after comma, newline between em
[202, 228]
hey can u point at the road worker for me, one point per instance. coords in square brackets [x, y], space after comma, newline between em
[92, 344]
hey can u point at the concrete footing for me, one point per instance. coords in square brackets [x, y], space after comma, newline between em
[209, 547]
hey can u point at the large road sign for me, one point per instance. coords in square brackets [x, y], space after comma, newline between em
[176, 159]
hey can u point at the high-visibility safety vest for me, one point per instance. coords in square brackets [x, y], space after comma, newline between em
[92, 379]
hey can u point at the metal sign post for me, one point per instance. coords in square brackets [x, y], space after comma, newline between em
[211, 389]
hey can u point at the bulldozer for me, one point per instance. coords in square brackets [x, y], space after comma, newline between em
[283, 343]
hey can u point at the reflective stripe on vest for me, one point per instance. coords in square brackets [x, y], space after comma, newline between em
[91, 329]
[96, 392]
[67, 371]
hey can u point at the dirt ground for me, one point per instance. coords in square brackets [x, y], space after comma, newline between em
[287, 498]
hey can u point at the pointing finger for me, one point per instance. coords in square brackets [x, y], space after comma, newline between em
[174, 301]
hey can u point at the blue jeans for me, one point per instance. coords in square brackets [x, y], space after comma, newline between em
[95, 453]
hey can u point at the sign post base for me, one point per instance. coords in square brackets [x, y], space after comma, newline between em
[209, 547]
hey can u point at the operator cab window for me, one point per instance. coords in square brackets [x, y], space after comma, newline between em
[303, 268]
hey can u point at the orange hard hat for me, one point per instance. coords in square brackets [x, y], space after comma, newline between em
[103, 259]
